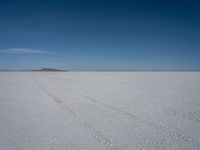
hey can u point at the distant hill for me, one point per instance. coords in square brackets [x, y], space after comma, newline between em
[50, 69]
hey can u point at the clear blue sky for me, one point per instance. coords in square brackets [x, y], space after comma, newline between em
[100, 34]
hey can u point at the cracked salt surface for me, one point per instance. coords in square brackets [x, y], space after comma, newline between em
[100, 110]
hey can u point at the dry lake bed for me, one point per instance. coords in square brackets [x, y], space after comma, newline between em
[99, 110]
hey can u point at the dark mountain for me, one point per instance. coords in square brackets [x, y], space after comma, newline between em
[50, 69]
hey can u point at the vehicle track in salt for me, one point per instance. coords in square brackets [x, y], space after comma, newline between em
[98, 136]
[6, 100]
[171, 132]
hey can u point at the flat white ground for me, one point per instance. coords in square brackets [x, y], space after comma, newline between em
[100, 111]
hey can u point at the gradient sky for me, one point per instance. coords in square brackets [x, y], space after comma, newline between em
[100, 34]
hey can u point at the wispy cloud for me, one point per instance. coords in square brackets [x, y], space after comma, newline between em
[23, 51]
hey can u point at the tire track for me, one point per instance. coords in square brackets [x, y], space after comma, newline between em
[177, 136]
[167, 111]
[6, 100]
[98, 136]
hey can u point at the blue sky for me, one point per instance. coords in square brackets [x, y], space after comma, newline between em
[104, 34]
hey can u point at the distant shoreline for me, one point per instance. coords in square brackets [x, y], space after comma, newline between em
[99, 70]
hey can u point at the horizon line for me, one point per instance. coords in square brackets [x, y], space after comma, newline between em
[106, 70]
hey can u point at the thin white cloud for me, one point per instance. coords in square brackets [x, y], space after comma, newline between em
[22, 51]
